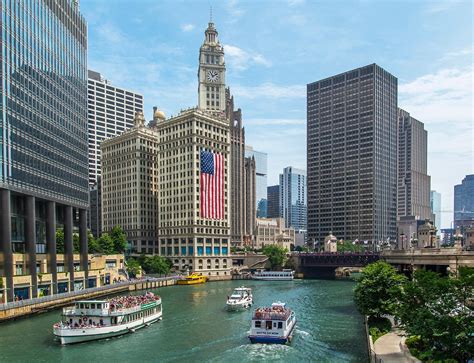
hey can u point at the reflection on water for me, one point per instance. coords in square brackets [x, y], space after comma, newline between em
[197, 328]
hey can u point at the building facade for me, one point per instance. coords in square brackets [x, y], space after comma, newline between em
[435, 203]
[273, 201]
[352, 155]
[293, 205]
[110, 111]
[193, 241]
[129, 184]
[43, 157]
[273, 232]
[261, 179]
[95, 209]
[413, 197]
[237, 173]
[464, 200]
[250, 196]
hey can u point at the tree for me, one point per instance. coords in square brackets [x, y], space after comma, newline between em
[276, 255]
[92, 244]
[106, 244]
[119, 238]
[60, 240]
[377, 289]
[435, 309]
[133, 267]
[156, 265]
[76, 243]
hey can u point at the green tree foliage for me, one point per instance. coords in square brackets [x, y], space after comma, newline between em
[436, 309]
[59, 240]
[133, 267]
[76, 243]
[92, 243]
[106, 245]
[276, 255]
[377, 289]
[119, 238]
[156, 265]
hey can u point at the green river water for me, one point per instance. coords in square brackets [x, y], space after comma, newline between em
[197, 328]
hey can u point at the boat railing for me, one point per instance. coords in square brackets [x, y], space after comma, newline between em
[271, 315]
[122, 311]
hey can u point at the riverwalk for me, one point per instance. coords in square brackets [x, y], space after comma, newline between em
[389, 348]
[21, 308]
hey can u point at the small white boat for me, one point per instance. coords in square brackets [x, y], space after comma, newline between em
[284, 275]
[98, 319]
[241, 298]
[274, 325]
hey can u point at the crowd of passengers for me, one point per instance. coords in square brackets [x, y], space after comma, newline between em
[124, 302]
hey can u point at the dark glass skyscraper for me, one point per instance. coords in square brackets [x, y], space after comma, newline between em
[43, 135]
[352, 155]
[464, 200]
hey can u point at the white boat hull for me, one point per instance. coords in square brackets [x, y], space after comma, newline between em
[79, 335]
[239, 306]
[273, 278]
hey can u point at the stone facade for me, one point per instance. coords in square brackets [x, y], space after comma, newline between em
[273, 232]
[130, 185]
[250, 197]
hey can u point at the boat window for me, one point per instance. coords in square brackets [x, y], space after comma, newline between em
[81, 306]
[275, 325]
[280, 325]
[258, 324]
[87, 306]
[268, 325]
[92, 306]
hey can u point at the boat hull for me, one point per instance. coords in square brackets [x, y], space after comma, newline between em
[237, 307]
[192, 282]
[269, 278]
[73, 336]
[262, 339]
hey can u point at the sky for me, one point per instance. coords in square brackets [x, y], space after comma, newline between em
[273, 49]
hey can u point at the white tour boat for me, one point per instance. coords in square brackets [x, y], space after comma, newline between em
[98, 319]
[284, 275]
[273, 324]
[241, 298]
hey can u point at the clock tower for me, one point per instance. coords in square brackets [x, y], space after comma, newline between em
[211, 73]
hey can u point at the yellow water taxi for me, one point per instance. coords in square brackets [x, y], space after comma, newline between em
[194, 278]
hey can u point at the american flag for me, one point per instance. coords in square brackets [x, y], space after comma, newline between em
[212, 185]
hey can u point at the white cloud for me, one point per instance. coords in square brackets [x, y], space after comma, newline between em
[240, 59]
[187, 27]
[269, 90]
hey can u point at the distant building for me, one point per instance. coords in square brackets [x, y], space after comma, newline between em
[95, 210]
[293, 207]
[464, 200]
[408, 232]
[273, 232]
[273, 201]
[352, 155]
[250, 195]
[435, 203]
[447, 236]
[261, 180]
[129, 188]
[413, 180]
[110, 112]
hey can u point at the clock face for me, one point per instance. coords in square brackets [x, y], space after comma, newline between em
[212, 75]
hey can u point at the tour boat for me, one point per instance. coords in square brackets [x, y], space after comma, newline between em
[273, 324]
[98, 319]
[274, 275]
[194, 278]
[241, 298]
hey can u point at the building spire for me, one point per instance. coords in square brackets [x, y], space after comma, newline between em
[210, 14]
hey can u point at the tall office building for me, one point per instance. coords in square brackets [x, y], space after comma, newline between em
[435, 203]
[94, 215]
[273, 198]
[195, 174]
[413, 181]
[110, 112]
[129, 184]
[43, 145]
[237, 173]
[261, 179]
[464, 200]
[352, 155]
[250, 196]
[293, 198]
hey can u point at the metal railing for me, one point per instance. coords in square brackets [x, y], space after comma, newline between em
[78, 293]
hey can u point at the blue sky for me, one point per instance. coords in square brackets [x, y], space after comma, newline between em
[274, 48]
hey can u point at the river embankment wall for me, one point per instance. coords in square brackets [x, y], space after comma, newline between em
[19, 309]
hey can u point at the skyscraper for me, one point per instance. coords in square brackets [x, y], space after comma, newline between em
[293, 202]
[435, 203]
[43, 146]
[273, 205]
[352, 155]
[261, 179]
[250, 196]
[110, 111]
[413, 180]
[464, 200]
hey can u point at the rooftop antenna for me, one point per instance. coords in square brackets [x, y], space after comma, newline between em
[210, 14]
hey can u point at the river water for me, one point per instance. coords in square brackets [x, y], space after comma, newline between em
[197, 328]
